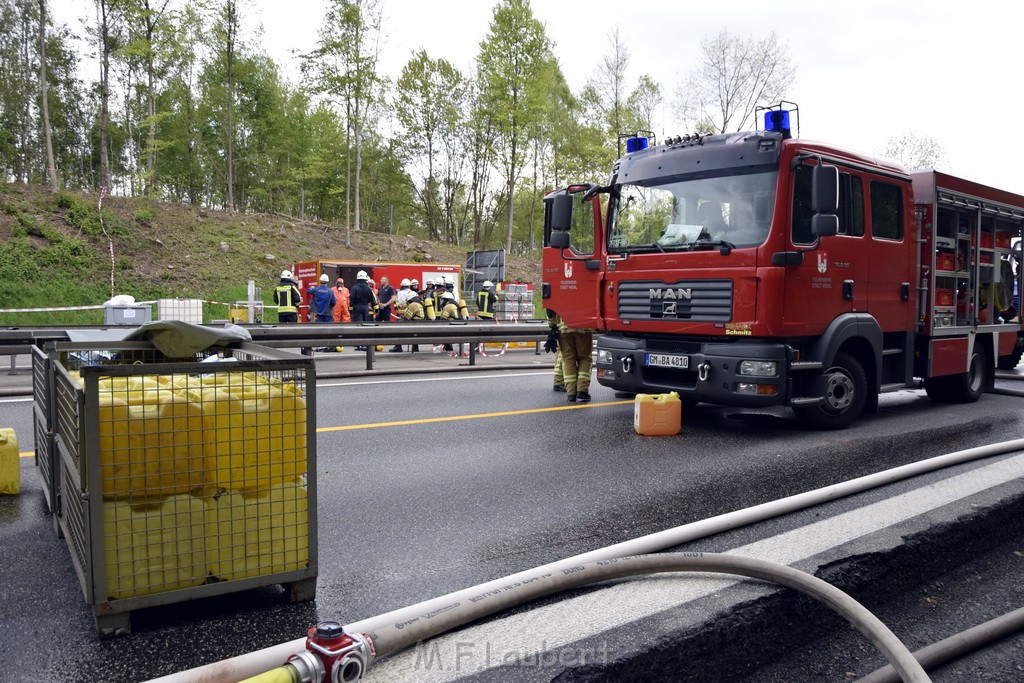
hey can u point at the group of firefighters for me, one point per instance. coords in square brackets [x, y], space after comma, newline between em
[365, 302]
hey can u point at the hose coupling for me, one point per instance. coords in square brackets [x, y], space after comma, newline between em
[340, 657]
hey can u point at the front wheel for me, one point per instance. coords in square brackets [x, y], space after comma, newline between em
[846, 388]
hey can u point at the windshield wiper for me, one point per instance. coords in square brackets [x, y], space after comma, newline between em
[724, 247]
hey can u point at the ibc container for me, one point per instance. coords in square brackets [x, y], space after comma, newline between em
[143, 444]
[657, 414]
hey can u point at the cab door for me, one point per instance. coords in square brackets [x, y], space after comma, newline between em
[573, 276]
[825, 284]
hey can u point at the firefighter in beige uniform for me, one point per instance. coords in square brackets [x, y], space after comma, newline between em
[576, 346]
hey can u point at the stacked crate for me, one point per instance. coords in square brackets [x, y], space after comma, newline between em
[187, 478]
[515, 302]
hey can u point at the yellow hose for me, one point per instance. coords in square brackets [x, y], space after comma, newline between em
[282, 674]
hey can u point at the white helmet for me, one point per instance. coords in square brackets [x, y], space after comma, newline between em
[448, 295]
[405, 282]
[448, 280]
[324, 279]
[414, 283]
[431, 283]
[488, 284]
[286, 275]
[361, 275]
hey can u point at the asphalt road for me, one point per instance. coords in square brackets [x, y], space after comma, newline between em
[412, 510]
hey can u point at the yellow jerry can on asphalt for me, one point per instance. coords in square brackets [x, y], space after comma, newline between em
[657, 414]
[10, 466]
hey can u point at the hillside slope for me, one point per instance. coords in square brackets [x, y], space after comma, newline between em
[57, 251]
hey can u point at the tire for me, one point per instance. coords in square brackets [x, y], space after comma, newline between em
[964, 387]
[940, 389]
[845, 395]
[1011, 361]
[969, 386]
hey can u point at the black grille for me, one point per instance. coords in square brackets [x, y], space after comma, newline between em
[688, 300]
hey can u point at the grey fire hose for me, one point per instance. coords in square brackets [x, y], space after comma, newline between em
[393, 637]
[956, 646]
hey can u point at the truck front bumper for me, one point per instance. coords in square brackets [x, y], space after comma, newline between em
[747, 373]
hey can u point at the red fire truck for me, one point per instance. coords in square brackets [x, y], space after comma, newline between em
[308, 273]
[758, 269]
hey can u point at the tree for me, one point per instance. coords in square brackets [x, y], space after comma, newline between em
[642, 103]
[108, 33]
[51, 168]
[344, 66]
[732, 78]
[605, 91]
[429, 93]
[916, 151]
[513, 63]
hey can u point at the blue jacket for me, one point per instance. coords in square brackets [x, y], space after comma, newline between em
[322, 300]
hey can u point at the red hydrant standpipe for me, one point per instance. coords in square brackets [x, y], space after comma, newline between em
[331, 655]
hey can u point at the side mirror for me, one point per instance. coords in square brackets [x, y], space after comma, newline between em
[824, 225]
[825, 189]
[561, 213]
[559, 239]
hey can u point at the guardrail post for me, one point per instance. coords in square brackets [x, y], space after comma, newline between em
[472, 353]
[14, 370]
[370, 349]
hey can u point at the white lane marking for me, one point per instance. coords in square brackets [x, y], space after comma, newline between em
[534, 636]
[442, 378]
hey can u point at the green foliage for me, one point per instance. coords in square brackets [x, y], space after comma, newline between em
[144, 216]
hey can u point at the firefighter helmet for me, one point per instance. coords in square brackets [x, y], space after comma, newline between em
[286, 275]
[488, 284]
[361, 275]
[448, 280]
[414, 283]
[324, 279]
[406, 282]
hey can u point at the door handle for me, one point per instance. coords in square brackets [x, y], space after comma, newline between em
[905, 291]
[848, 290]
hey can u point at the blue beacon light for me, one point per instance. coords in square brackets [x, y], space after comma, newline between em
[636, 144]
[777, 120]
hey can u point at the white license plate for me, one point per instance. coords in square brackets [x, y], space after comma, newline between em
[667, 360]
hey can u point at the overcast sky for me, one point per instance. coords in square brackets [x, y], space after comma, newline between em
[866, 71]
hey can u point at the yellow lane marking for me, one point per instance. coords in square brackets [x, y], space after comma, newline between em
[453, 418]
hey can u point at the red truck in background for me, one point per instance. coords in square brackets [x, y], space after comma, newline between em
[758, 269]
[308, 273]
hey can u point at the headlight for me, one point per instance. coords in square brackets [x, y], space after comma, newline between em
[759, 368]
[604, 356]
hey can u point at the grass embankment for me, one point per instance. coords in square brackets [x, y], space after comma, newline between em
[57, 252]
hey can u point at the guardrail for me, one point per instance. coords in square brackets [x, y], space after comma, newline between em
[20, 340]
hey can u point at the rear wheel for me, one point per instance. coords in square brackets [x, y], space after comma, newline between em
[964, 387]
[1011, 361]
[846, 388]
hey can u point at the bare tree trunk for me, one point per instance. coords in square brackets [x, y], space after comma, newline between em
[51, 167]
[104, 95]
[359, 168]
[348, 174]
[232, 27]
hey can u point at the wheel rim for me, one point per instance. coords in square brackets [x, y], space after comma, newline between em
[839, 391]
[977, 374]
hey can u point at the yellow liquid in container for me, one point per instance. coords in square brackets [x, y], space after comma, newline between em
[154, 548]
[258, 534]
[153, 443]
[10, 465]
[259, 431]
[657, 414]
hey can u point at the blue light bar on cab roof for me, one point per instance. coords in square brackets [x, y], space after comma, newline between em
[777, 120]
[636, 144]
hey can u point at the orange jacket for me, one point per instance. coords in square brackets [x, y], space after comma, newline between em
[342, 314]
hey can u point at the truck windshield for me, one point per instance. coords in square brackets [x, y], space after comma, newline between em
[691, 214]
